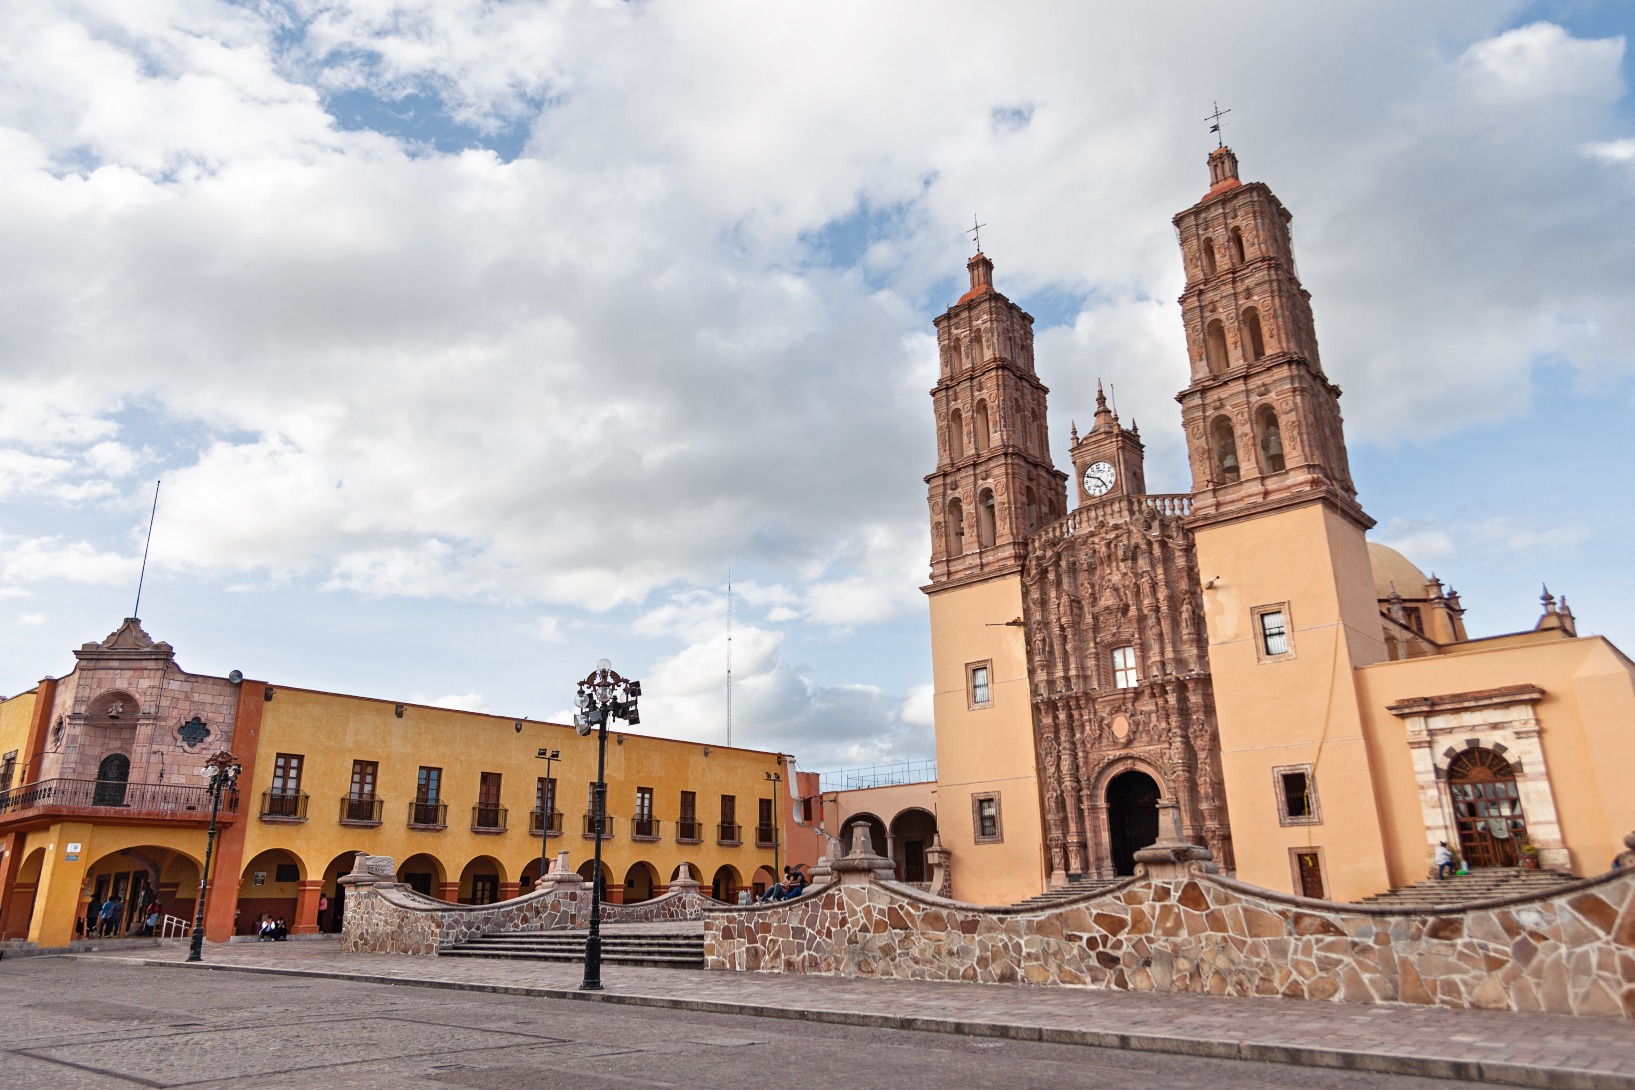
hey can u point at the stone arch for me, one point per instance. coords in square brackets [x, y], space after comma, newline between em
[987, 521]
[1239, 254]
[18, 911]
[113, 774]
[981, 428]
[480, 881]
[956, 527]
[330, 921]
[1269, 440]
[115, 706]
[877, 832]
[269, 885]
[640, 882]
[588, 868]
[956, 434]
[423, 873]
[1224, 445]
[1099, 826]
[1254, 339]
[726, 883]
[762, 880]
[143, 875]
[1131, 798]
[1487, 807]
[692, 872]
[1215, 350]
[1207, 253]
[913, 831]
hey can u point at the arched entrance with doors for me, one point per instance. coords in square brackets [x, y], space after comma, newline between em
[112, 775]
[762, 880]
[725, 885]
[269, 886]
[18, 910]
[423, 874]
[1132, 817]
[142, 878]
[1486, 809]
[329, 920]
[480, 881]
[877, 833]
[912, 832]
[639, 883]
[689, 870]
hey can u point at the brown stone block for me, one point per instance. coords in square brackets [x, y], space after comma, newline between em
[1112, 925]
[1168, 923]
[968, 925]
[1413, 987]
[895, 919]
[1595, 910]
[1307, 924]
[1324, 987]
[1064, 975]
[1139, 923]
[1049, 927]
[1160, 894]
[1445, 927]
[1193, 897]
[1624, 934]
[1260, 924]
[1491, 995]
[1106, 960]
[1598, 1000]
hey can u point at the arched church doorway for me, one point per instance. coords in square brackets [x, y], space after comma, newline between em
[112, 775]
[1132, 817]
[1487, 809]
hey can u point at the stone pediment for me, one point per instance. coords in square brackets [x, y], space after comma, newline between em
[129, 640]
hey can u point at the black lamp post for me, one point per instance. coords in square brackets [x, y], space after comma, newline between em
[603, 696]
[547, 803]
[223, 770]
[777, 780]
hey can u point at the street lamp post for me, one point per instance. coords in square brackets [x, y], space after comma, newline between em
[546, 804]
[223, 770]
[603, 696]
[776, 778]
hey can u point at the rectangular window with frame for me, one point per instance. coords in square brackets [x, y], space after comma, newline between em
[8, 769]
[979, 684]
[986, 824]
[284, 797]
[1296, 787]
[729, 831]
[1274, 638]
[488, 813]
[644, 822]
[427, 809]
[545, 817]
[361, 804]
[764, 833]
[1124, 675]
[687, 827]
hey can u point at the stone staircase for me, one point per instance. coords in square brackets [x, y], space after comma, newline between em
[653, 949]
[1481, 884]
[1075, 888]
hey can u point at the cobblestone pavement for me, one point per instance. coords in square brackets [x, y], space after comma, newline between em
[106, 1023]
[1514, 1049]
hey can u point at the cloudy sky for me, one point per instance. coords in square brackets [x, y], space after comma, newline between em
[474, 341]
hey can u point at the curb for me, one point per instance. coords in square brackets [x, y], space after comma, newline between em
[1379, 1063]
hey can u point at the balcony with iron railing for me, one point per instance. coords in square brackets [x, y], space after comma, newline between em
[764, 836]
[689, 831]
[488, 819]
[361, 811]
[551, 823]
[428, 815]
[64, 797]
[729, 833]
[283, 806]
[590, 826]
[644, 828]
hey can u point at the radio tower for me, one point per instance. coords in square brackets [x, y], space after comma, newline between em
[729, 654]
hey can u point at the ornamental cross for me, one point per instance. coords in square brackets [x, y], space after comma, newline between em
[1218, 124]
[976, 232]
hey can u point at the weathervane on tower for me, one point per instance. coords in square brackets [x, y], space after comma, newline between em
[1217, 124]
[976, 232]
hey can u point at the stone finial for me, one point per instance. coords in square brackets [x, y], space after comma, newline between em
[938, 859]
[1626, 858]
[861, 864]
[370, 870]
[1173, 855]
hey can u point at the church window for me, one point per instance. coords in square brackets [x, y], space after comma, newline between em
[956, 528]
[1271, 441]
[1296, 787]
[1033, 511]
[1415, 619]
[1228, 471]
[1124, 676]
[1215, 347]
[956, 435]
[987, 524]
[1209, 257]
[1238, 256]
[1254, 338]
[986, 822]
[980, 427]
[980, 688]
[1272, 637]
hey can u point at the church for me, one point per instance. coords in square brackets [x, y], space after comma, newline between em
[1309, 701]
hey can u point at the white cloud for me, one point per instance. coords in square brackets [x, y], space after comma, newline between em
[31, 618]
[1612, 151]
[31, 560]
[467, 702]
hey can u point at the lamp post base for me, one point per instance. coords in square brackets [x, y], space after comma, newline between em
[593, 964]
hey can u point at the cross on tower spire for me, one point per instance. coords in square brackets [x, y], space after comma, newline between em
[1218, 124]
[976, 232]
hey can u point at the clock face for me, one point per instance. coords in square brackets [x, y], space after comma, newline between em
[1099, 478]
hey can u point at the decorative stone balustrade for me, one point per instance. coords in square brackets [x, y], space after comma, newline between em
[1177, 927]
[1161, 508]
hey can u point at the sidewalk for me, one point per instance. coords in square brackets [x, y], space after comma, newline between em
[1477, 1046]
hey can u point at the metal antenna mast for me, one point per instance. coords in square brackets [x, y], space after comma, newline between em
[137, 610]
[729, 653]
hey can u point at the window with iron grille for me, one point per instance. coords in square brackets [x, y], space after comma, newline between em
[284, 799]
[8, 769]
[1274, 633]
[764, 832]
[687, 824]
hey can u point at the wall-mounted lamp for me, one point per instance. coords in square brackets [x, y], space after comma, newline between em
[398, 711]
[706, 751]
[1211, 584]
[619, 738]
[268, 694]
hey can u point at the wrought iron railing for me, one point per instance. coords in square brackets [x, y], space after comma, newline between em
[607, 825]
[161, 798]
[729, 832]
[361, 811]
[551, 823]
[690, 830]
[289, 805]
[429, 815]
[645, 828]
[488, 819]
[763, 836]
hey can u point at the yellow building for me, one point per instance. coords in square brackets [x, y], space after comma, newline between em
[101, 793]
[1310, 701]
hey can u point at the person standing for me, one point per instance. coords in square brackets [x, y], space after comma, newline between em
[112, 911]
[1444, 860]
[93, 918]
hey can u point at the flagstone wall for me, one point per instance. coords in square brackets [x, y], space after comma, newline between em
[1572, 952]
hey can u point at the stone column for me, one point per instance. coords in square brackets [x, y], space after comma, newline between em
[227, 868]
[307, 893]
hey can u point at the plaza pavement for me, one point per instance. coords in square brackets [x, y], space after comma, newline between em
[1542, 1050]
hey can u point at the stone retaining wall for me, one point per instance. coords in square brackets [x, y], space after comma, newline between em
[1183, 929]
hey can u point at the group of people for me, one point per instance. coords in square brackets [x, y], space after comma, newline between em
[793, 885]
[272, 929]
[106, 919]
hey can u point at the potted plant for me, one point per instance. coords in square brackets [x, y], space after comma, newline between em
[1529, 855]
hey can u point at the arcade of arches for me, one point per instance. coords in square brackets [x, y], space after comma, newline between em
[905, 841]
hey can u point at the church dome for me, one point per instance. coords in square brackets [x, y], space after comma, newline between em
[1391, 567]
